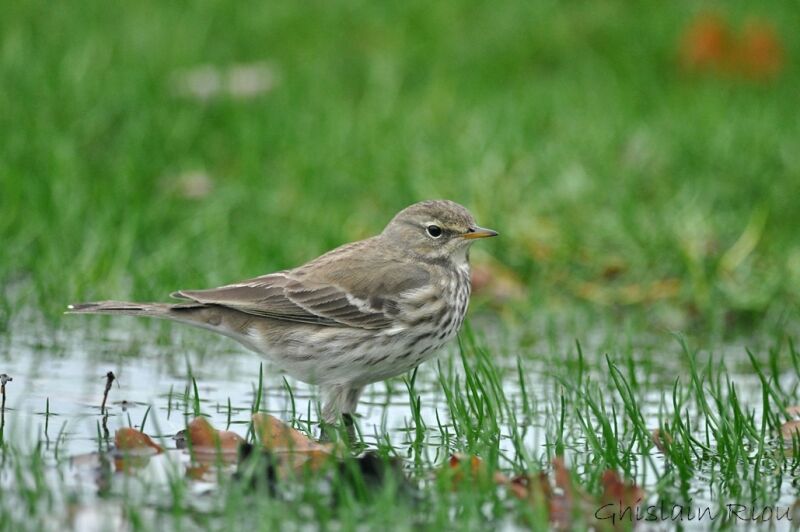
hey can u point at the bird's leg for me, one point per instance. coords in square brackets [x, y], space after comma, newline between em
[348, 412]
[341, 402]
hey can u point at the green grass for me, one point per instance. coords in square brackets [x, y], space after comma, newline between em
[633, 199]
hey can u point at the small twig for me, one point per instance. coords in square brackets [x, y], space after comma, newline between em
[109, 380]
[4, 378]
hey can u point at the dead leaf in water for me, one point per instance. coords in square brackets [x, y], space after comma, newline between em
[567, 505]
[617, 492]
[205, 438]
[471, 468]
[276, 435]
[662, 439]
[130, 439]
[790, 430]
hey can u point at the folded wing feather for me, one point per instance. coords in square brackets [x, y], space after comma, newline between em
[321, 295]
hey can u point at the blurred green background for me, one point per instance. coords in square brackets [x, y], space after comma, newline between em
[148, 146]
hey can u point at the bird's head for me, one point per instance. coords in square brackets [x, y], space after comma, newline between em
[435, 230]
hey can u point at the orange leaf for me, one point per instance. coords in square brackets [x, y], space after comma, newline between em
[199, 471]
[618, 492]
[561, 472]
[130, 439]
[275, 435]
[790, 430]
[760, 55]
[205, 437]
[706, 44]
[473, 466]
[475, 463]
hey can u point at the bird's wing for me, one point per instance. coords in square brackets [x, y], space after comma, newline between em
[263, 296]
[349, 286]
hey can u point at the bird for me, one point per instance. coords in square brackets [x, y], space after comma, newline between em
[361, 313]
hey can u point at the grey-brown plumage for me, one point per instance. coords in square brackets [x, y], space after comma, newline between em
[361, 313]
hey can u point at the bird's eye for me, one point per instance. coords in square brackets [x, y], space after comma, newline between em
[434, 230]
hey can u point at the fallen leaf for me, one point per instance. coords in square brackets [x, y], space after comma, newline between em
[707, 44]
[615, 491]
[205, 438]
[463, 467]
[791, 430]
[520, 486]
[662, 439]
[129, 439]
[793, 410]
[760, 55]
[567, 502]
[275, 435]
[457, 462]
[199, 471]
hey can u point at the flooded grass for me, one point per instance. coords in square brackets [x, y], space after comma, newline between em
[693, 429]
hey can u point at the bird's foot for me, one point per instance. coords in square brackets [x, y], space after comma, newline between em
[346, 432]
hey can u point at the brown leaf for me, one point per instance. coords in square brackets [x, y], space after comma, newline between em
[793, 410]
[205, 438]
[791, 430]
[662, 439]
[130, 439]
[199, 471]
[710, 45]
[463, 467]
[293, 449]
[458, 460]
[558, 505]
[520, 486]
[760, 55]
[707, 44]
[615, 491]
[562, 477]
[275, 435]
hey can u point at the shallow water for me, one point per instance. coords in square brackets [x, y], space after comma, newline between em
[152, 364]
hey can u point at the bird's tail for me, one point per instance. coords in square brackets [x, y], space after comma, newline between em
[215, 318]
[154, 310]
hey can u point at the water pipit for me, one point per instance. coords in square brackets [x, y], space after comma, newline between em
[361, 313]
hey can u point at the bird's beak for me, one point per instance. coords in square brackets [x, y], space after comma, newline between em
[479, 232]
